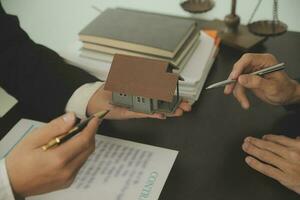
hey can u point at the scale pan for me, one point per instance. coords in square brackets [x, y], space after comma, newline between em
[200, 6]
[267, 28]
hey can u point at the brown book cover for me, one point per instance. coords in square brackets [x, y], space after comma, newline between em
[138, 31]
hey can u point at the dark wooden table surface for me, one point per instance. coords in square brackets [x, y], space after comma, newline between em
[211, 164]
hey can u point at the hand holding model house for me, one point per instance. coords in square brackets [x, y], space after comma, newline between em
[145, 86]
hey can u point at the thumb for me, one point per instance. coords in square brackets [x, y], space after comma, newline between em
[56, 127]
[252, 81]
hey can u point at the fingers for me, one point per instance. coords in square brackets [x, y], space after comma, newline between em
[247, 63]
[283, 140]
[130, 114]
[74, 165]
[84, 141]
[54, 128]
[185, 106]
[238, 68]
[269, 146]
[229, 88]
[265, 169]
[253, 81]
[178, 112]
[68, 170]
[284, 169]
[264, 155]
[124, 113]
[240, 95]
[241, 65]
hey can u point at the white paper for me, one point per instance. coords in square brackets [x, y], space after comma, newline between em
[199, 61]
[196, 72]
[117, 170]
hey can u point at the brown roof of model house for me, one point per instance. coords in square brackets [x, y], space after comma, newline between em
[141, 77]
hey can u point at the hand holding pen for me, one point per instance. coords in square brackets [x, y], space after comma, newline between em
[55, 168]
[74, 131]
[276, 88]
[261, 72]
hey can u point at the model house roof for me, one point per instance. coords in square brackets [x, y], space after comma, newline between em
[141, 77]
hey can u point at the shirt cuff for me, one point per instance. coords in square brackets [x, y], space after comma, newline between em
[79, 100]
[5, 188]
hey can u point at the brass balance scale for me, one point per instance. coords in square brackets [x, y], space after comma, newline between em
[231, 31]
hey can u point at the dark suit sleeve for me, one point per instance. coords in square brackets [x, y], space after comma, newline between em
[293, 107]
[40, 79]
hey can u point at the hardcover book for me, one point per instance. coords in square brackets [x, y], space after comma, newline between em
[138, 31]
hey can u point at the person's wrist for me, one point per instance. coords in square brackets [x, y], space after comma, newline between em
[92, 104]
[295, 97]
[13, 179]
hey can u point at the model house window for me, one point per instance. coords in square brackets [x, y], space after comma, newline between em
[121, 94]
[139, 99]
[143, 99]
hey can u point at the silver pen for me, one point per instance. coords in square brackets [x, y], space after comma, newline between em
[262, 72]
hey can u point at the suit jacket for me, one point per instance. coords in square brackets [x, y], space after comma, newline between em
[293, 107]
[37, 76]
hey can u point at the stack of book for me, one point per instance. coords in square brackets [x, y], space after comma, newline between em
[141, 34]
[136, 33]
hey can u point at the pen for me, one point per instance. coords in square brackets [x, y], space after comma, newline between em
[262, 72]
[74, 131]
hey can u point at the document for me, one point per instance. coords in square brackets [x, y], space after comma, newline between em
[117, 170]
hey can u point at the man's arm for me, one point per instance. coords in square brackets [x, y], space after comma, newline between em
[40, 79]
[275, 156]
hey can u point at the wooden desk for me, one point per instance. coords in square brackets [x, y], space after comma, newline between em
[211, 163]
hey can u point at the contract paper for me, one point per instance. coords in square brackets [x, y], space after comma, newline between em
[117, 170]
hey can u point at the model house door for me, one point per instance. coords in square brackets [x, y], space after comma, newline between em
[141, 104]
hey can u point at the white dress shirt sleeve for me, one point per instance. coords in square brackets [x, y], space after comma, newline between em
[80, 98]
[6, 192]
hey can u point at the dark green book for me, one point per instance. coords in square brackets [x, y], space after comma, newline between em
[138, 31]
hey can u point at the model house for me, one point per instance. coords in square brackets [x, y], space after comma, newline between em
[143, 85]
